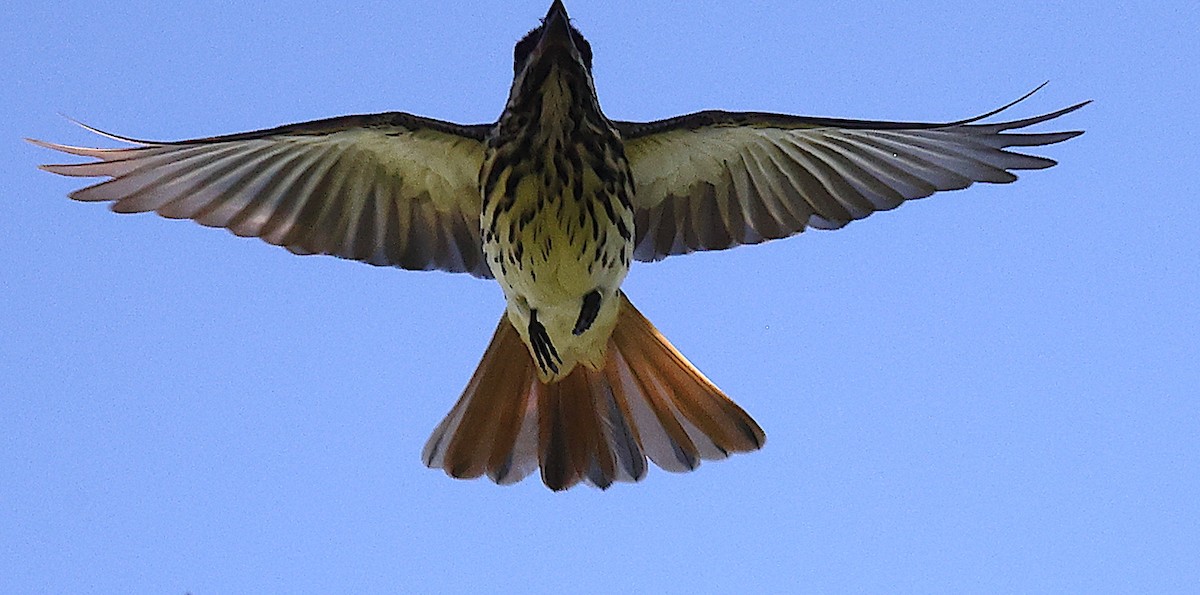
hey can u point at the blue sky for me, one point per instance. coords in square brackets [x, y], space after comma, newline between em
[986, 391]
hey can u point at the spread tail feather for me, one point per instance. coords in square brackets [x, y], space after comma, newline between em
[596, 426]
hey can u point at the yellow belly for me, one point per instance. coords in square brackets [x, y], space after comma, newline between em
[549, 248]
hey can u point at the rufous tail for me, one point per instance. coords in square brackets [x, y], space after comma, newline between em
[595, 426]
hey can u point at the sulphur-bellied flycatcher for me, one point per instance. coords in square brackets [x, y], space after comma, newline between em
[554, 201]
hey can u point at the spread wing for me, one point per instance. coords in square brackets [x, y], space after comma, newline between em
[714, 180]
[386, 189]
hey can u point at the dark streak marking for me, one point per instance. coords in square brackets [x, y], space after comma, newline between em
[587, 313]
[543, 348]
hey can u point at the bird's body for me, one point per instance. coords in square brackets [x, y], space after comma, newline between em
[557, 219]
[554, 201]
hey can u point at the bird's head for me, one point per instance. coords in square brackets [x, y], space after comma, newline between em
[555, 52]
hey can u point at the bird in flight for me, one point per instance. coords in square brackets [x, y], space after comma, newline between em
[554, 201]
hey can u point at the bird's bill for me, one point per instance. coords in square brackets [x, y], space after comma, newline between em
[555, 9]
[556, 30]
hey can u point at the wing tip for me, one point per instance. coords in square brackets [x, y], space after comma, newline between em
[1023, 122]
[1066, 135]
[39, 143]
[1002, 108]
[105, 134]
